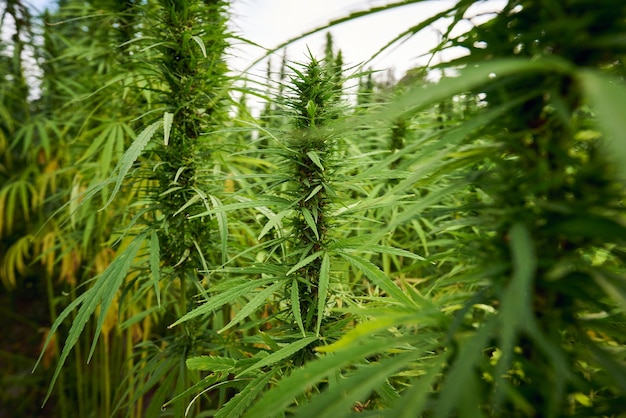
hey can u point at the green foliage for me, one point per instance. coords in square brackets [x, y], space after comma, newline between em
[101, 295]
[432, 250]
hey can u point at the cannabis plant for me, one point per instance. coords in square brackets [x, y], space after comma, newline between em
[436, 249]
[524, 331]
[283, 294]
[181, 77]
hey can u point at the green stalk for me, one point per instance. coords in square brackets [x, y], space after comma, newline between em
[80, 388]
[314, 105]
[127, 362]
[191, 75]
[53, 317]
[107, 375]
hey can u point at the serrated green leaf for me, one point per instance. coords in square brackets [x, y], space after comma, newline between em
[222, 225]
[308, 218]
[245, 204]
[384, 319]
[239, 403]
[295, 306]
[364, 329]
[211, 381]
[311, 373]
[130, 156]
[155, 261]
[305, 261]
[322, 291]
[228, 296]
[337, 402]
[378, 278]
[269, 341]
[281, 354]
[385, 249]
[110, 133]
[198, 197]
[316, 159]
[259, 300]
[314, 192]
[102, 293]
[111, 280]
[414, 210]
[274, 221]
[211, 364]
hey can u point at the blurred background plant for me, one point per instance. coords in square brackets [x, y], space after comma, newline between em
[449, 248]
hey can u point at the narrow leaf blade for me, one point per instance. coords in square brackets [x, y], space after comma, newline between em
[281, 354]
[378, 277]
[322, 292]
[130, 156]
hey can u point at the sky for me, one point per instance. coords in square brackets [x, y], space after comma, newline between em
[269, 23]
[272, 22]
